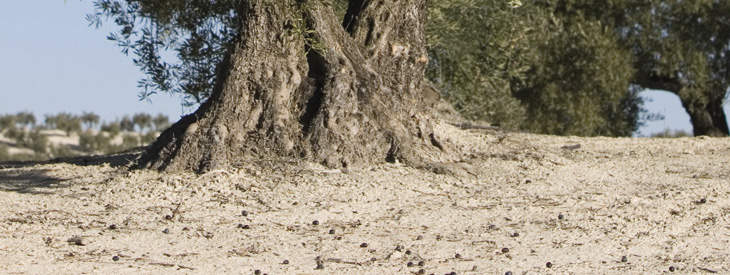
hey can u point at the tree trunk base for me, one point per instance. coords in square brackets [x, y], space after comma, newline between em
[299, 86]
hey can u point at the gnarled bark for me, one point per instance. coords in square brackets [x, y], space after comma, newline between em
[300, 84]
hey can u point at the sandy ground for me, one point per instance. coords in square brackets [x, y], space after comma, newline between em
[516, 202]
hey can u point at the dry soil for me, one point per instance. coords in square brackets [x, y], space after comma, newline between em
[515, 203]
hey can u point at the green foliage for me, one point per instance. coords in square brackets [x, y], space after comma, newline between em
[142, 120]
[476, 48]
[37, 141]
[580, 83]
[6, 122]
[126, 124]
[113, 128]
[130, 141]
[161, 122]
[678, 46]
[16, 134]
[25, 119]
[198, 31]
[62, 152]
[90, 119]
[67, 122]
[4, 153]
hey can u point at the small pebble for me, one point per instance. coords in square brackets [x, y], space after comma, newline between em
[285, 262]
[548, 264]
[115, 258]
[244, 213]
[671, 269]
[257, 272]
[364, 245]
[166, 231]
[244, 226]
[560, 216]
[113, 227]
[505, 250]
[702, 201]
[508, 273]
[168, 217]
[373, 259]
[421, 263]
[458, 256]
[76, 240]
[315, 222]
[410, 264]
[338, 238]
[421, 271]
[624, 259]
[514, 235]
[408, 252]
[419, 238]
[399, 248]
[332, 231]
[319, 266]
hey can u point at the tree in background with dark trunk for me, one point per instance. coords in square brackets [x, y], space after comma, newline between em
[677, 46]
[297, 81]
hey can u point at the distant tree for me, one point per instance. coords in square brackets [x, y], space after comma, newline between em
[126, 124]
[113, 128]
[25, 119]
[16, 134]
[67, 122]
[7, 122]
[142, 120]
[525, 67]
[677, 46]
[50, 122]
[580, 83]
[94, 143]
[161, 122]
[89, 119]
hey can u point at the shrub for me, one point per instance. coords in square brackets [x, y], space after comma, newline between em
[7, 122]
[129, 141]
[4, 154]
[37, 142]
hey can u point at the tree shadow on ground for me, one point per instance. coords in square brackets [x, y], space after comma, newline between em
[32, 181]
[38, 180]
[114, 160]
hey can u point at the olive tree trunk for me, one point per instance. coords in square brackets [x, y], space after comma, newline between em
[302, 84]
[707, 116]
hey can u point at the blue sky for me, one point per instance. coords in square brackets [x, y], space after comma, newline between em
[51, 61]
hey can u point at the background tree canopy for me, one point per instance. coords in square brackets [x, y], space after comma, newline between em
[567, 67]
